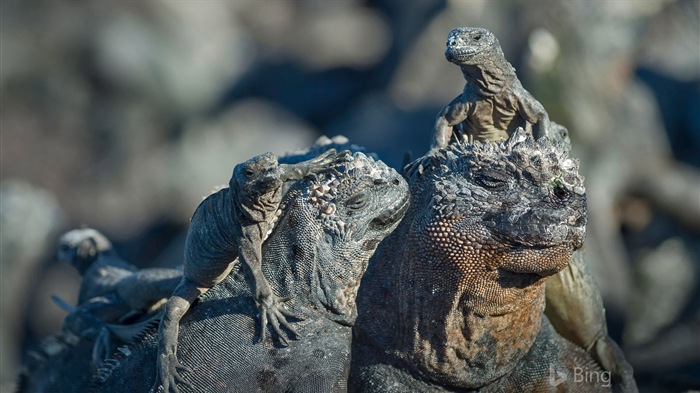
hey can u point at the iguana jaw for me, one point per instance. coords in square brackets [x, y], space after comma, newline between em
[392, 214]
[561, 230]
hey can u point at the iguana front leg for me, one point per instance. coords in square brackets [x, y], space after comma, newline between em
[169, 367]
[320, 164]
[270, 306]
[533, 112]
[575, 309]
[450, 116]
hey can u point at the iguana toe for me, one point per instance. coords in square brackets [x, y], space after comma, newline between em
[102, 348]
[169, 374]
[271, 311]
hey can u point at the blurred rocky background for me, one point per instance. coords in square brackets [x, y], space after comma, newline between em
[123, 115]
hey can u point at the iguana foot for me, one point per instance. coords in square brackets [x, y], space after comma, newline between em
[169, 369]
[610, 357]
[102, 348]
[324, 163]
[271, 311]
[416, 167]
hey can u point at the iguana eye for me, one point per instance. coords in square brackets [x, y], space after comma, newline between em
[493, 180]
[249, 172]
[561, 192]
[477, 37]
[356, 202]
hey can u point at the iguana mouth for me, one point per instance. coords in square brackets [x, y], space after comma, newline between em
[392, 214]
[460, 54]
[570, 235]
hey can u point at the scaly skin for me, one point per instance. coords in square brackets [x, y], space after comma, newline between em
[493, 103]
[462, 279]
[490, 108]
[327, 230]
[116, 299]
[575, 308]
[228, 225]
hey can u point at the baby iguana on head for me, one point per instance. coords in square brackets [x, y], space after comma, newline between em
[462, 278]
[229, 224]
[494, 102]
[115, 297]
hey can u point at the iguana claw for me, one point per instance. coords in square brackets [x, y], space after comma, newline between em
[102, 347]
[169, 374]
[324, 163]
[271, 311]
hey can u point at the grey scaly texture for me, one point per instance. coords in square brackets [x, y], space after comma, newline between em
[229, 226]
[461, 280]
[327, 229]
[315, 256]
[117, 303]
[493, 103]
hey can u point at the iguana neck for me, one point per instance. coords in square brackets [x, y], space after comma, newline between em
[466, 336]
[489, 79]
[461, 321]
[258, 208]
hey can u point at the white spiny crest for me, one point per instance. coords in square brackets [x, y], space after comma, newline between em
[518, 152]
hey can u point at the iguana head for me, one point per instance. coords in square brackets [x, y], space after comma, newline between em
[471, 46]
[352, 210]
[517, 206]
[256, 176]
[81, 247]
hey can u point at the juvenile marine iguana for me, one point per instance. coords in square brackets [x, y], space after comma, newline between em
[116, 304]
[493, 103]
[231, 225]
[328, 228]
[105, 275]
[115, 297]
[462, 277]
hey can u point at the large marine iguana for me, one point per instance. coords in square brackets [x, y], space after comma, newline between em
[326, 232]
[462, 279]
[491, 106]
[315, 256]
[228, 226]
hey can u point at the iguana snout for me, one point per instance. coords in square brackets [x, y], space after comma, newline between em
[544, 224]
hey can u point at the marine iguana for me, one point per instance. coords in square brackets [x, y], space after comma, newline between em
[493, 103]
[115, 298]
[227, 226]
[491, 106]
[328, 228]
[105, 274]
[462, 279]
[92, 255]
[315, 255]
[117, 303]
